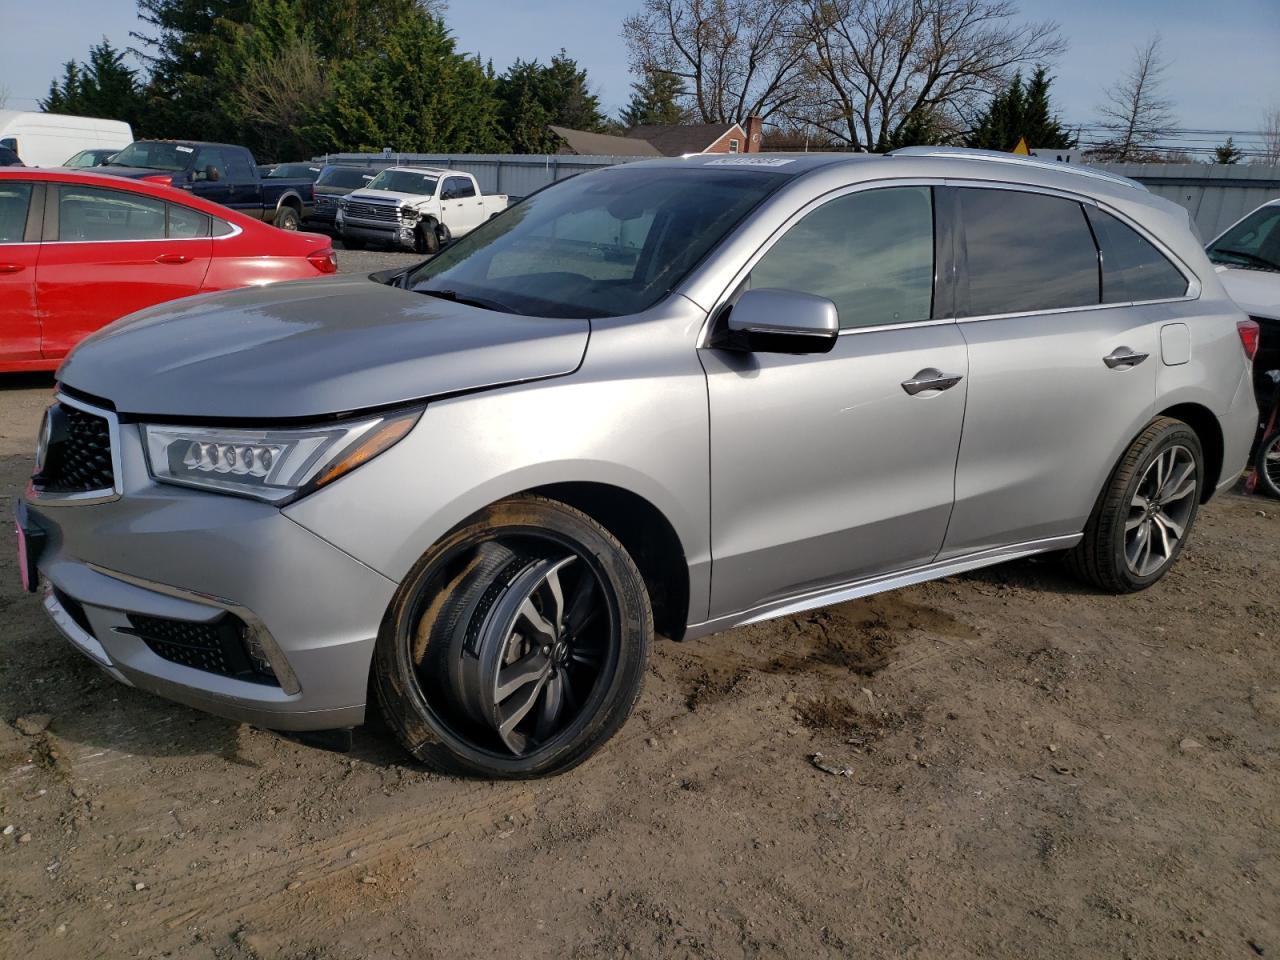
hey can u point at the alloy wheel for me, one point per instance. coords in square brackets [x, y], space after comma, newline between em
[1160, 510]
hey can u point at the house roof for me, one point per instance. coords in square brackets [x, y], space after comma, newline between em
[603, 144]
[677, 139]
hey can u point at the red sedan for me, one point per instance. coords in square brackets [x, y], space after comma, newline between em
[78, 250]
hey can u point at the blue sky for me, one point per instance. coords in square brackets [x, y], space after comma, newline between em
[1225, 56]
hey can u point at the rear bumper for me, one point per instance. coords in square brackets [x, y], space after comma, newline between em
[183, 555]
[1239, 428]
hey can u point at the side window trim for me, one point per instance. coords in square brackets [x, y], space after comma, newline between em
[33, 230]
[731, 292]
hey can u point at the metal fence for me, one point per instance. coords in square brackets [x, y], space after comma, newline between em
[1216, 195]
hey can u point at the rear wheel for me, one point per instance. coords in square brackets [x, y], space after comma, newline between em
[518, 644]
[1144, 516]
[1268, 464]
[287, 219]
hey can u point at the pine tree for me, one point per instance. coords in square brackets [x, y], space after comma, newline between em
[103, 87]
[1021, 110]
[1227, 152]
[654, 99]
[534, 96]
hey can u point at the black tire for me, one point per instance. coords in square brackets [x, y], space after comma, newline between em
[437, 639]
[287, 219]
[426, 239]
[351, 243]
[1101, 558]
[1268, 465]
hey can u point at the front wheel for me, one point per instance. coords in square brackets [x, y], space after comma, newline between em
[426, 239]
[1268, 464]
[517, 645]
[1143, 517]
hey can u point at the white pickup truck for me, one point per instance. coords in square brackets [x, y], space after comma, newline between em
[418, 208]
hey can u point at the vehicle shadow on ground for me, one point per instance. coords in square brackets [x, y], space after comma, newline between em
[27, 381]
[1045, 574]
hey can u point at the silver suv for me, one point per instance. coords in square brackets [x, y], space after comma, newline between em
[678, 395]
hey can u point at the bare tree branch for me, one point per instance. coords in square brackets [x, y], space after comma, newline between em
[1134, 113]
[1270, 137]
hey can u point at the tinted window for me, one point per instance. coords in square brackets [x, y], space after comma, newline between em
[871, 253]
[185, 223]
[405, 181]
[344, 177]
[14, 200]
[208, 157]
[221, 228]
[1253, 242]
[602, 244]
[8, 158]
[156, 155]
[239, 168]
[460, 188]
[92, 214]
[1132, 268]
[1025, 252]
[298, 170]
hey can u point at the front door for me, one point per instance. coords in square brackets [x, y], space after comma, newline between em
[19, 253]
[825, 468]
[1062, 370]
[118, 245]
[459, 205]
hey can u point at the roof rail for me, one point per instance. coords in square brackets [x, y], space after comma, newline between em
[993, 156]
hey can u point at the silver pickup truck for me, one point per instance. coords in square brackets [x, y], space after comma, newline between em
[418, 208]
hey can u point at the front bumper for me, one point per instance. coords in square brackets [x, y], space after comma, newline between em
[166, 552]
[394, 234]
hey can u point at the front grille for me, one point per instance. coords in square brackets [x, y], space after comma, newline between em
[78, 459]
[217, 646]
[384, 212]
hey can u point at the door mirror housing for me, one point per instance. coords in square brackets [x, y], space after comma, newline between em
[780, 321]
[211, 173]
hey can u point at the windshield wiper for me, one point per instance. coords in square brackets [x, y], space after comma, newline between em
[1248, 257]
[483, 304]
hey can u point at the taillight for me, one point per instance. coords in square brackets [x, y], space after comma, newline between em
[326, 261]
[1250, 334]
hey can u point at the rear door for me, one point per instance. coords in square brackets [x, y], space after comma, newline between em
[20, 216]
[108, 253]
[246, 193]
[1060, 382]
[211, 179]
[827, 468]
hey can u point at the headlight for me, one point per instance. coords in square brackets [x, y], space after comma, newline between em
[409, 214]
[271, 465]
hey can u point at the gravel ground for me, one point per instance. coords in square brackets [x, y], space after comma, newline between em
[1012, 767]
[367, 261]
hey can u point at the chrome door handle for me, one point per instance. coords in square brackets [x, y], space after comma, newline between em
[931, 379]
[1123, 357]
[12, 267]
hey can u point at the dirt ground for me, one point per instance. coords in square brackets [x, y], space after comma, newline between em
[1011, 766]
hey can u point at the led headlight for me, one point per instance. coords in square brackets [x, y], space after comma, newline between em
[271, 465]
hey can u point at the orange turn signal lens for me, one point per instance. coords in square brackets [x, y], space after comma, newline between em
[376, 441]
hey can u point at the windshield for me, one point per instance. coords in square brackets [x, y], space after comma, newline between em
[599, 245]
[404, 181]
[344, 177]
[1253, 242]
[154, 155]
[309, 170]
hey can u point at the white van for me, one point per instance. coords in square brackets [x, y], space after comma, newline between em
[51, 139]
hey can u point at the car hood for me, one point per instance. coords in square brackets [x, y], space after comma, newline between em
[313, 348]
[363, 195]
[1256, 291]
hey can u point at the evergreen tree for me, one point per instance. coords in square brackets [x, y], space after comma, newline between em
[654, 99]
[1021, 110]
[104, 87]
[921, 129]
[533, 96]
[1227, 152]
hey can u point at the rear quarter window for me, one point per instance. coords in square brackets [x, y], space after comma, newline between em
[1132, 267]
[1026, 252]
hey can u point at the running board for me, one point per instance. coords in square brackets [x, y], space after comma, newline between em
[828, 596]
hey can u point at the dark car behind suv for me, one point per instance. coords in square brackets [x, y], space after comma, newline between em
[335, 181]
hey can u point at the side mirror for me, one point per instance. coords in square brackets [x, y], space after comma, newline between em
[780, 321]
[211, 173]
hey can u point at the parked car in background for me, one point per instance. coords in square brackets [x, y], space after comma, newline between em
[221, 173]
[10, 159]
[298, 171]
[335, 182]
[417, 208]
[90, 158]
[79, 250]
[480, 488]
[47, 139]
[1247, 255]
